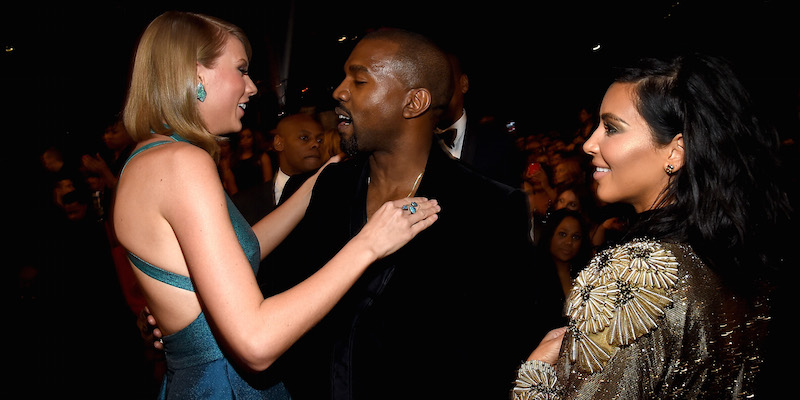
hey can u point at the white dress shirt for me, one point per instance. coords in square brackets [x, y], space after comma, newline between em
[461, 128]
[280, 181]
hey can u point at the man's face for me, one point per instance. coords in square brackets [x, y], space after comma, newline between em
[370, 97]
[298, 143]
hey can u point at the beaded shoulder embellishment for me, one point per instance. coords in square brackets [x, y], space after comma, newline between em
[618, 298]
[536, 380]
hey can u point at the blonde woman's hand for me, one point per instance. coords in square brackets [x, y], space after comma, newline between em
[313, 178]
[332, 160]
[397, 222]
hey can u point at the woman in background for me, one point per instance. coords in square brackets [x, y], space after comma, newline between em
[565, 247]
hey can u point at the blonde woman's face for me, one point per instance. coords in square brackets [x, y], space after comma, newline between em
[228, 88]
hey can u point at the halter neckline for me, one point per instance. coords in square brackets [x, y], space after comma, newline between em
[175, 136]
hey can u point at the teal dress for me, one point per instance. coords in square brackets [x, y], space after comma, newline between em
[196, 367]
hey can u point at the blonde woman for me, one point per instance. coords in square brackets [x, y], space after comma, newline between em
[193, 254]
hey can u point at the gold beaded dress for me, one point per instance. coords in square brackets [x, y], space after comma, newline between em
[649, 320]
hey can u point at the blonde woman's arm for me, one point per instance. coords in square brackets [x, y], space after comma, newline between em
[256, 331]
[275, 226]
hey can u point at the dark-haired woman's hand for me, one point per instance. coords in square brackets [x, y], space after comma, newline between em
[549, 347]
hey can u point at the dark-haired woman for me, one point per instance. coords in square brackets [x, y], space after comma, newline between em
[680, 308]
[565, 246]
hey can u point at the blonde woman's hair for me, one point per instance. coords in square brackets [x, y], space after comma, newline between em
[162, 96]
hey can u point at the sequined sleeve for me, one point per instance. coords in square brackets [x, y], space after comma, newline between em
[650, 320]
[536, 380]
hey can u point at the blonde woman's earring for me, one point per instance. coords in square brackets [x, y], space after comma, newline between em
[201, 92]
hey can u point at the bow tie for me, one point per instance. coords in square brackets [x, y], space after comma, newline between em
[448, 136]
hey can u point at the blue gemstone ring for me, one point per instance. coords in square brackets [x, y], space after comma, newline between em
[412, 208]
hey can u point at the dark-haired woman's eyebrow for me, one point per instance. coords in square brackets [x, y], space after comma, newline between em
[613, 117]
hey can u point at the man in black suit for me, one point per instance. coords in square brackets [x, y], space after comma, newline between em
[297, 142]
[480, 141]
[452, 313]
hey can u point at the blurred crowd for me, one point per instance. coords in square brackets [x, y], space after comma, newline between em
[568, 223]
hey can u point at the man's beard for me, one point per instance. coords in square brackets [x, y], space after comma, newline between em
[349, 145]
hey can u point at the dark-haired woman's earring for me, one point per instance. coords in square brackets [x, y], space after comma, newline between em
[669, 169]
[201, 92]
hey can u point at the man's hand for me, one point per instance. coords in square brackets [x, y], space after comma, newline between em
[149, 329]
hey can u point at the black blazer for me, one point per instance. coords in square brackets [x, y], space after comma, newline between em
[259, 200]
[491, 151]
[451, 314]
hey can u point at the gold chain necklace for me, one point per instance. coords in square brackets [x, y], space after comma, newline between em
[413, 188]
[416, 182]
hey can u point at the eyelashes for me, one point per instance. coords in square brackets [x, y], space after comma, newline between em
[610, 129]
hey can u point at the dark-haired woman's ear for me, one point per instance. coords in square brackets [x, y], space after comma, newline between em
[676, 155]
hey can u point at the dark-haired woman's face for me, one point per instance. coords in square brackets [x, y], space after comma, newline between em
[629, 164]
[566, 241]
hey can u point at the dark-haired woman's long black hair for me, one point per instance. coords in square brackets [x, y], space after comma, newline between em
[725, 199]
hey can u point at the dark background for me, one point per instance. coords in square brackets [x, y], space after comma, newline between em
[528, 61]
[64, 67]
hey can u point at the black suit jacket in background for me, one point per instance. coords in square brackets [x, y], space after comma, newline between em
[259, 200]
[491, 151]
[450, 315]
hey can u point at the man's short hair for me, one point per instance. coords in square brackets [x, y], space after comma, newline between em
[420, 63]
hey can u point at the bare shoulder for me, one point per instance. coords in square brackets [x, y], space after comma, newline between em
[161, 179]
[170, 159]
